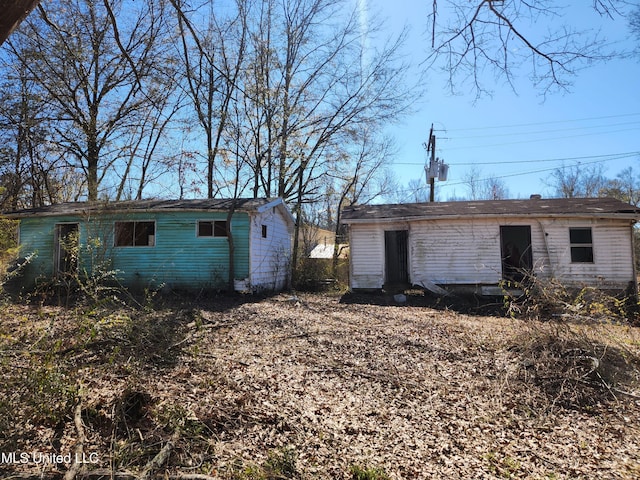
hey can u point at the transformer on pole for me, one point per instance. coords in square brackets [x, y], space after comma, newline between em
[436, 167]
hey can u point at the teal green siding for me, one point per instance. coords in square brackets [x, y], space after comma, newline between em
[179, 257]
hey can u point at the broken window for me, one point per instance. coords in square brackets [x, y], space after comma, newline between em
[581, 241]
[135, 234]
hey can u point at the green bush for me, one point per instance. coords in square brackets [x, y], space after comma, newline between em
[359, 473]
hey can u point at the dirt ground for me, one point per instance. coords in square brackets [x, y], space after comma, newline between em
[314, 387]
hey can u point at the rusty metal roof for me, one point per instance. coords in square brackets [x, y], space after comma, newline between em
[535, 207]
[210, 204]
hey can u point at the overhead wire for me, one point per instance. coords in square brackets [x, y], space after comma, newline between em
[577, 160]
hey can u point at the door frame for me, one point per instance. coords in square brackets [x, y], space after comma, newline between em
[516, 254]
[63, 262]
[396, 257]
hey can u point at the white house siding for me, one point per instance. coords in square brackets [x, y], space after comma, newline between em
[467, 251]
[612, 253]
[367, 256]
[270, 257]
[455, 252]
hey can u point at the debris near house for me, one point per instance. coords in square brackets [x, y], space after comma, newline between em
[315, 387]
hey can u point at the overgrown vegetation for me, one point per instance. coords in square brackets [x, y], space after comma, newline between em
[549, 299]
[237, 388]
[317, 275]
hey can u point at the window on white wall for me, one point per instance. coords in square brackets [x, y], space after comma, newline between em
[264, 231]
[581, 240]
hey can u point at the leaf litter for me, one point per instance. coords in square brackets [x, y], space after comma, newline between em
[232, 384]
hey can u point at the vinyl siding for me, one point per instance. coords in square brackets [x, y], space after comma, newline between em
[612, 253]
[270, 259]
[179, 258]
[467, 252]
[367, 256]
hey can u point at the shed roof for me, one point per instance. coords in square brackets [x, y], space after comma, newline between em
[209, 204]
[535, 207]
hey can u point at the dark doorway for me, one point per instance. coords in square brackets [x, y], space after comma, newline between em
[396, 257]
[67, 241]
[515, 245]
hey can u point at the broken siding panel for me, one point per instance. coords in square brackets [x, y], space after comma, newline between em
[38, 239]
[270, 256]
[367, 256]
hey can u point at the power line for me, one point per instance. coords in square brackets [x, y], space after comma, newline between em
[556, 130]
[564, 137]
[553, 122]
[611, 156]
[529, 173]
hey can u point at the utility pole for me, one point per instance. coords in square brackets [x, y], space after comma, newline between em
[436, 168]
[431, 147]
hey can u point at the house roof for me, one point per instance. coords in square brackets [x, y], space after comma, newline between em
[534, 207]
[210, 204]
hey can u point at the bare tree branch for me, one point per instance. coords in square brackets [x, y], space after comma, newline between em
[497, 36]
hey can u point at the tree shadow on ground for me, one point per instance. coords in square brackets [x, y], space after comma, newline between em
[466, 303]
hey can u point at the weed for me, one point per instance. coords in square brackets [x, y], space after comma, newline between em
[551, 299]
[504, 467]
[360, 473]
[280, 464]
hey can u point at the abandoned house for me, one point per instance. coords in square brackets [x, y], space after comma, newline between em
[152, 243]
[477, 244]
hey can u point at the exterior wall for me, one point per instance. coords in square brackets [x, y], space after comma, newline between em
[37, 241]
[468, 252]
[612, 253]
[270, 259]
[367, 261]
[179, 257]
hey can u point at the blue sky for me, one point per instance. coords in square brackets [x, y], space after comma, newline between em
[520, 137]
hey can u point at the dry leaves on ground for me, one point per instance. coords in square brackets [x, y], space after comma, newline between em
[313, 386]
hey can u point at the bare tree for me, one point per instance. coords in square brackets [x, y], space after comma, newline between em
[212, 52]
[30, 166]
[83, 63]
[312, 81]
[625, 187]
[484, 188]
[578, 181]
[362, 179]
[472, 38]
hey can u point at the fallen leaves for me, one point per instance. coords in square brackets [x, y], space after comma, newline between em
[412, 391]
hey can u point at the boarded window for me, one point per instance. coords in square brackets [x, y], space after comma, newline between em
[216, 228]
[135, 234]
[581, 245]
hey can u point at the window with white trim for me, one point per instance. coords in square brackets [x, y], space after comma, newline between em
[581, 240]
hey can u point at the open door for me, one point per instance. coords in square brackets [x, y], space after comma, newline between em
[515, 245]
[66, 248]
[396, 257]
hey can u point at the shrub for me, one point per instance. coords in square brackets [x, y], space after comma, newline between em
[549, 298]
[359, 473]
